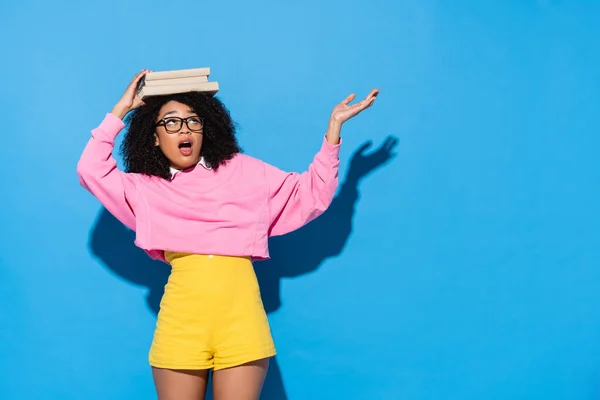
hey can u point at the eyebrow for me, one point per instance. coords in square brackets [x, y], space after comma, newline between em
[190, 111]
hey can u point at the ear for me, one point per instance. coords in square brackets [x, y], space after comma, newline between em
[156, 141]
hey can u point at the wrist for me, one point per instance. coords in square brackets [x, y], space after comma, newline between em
[119, 111]
[333, 131]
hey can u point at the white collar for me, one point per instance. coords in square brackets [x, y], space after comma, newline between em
[201, 162]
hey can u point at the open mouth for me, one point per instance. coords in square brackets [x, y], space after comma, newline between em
[185, 147]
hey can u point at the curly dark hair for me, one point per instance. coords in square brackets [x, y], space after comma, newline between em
[219, 143]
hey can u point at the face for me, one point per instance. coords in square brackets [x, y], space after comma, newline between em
[179, 142]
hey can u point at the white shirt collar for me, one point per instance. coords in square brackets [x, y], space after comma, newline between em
[201, 162]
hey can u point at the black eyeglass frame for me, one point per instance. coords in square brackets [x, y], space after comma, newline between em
[163, 122]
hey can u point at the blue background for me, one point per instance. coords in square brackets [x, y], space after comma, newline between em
[462, 264]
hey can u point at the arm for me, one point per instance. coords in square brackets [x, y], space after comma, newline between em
[296, 199]
[98, 173]
[97, 169]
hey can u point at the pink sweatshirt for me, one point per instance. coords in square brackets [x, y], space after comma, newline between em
[231, 211]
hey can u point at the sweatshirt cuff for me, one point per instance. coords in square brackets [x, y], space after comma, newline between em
[331, 150]
[109, 128]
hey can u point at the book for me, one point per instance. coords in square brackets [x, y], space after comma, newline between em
[176, 81]
[160, 90]
[177, 73]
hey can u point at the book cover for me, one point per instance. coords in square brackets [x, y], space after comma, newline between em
[205, 87]
[177, 81]
[178, 73]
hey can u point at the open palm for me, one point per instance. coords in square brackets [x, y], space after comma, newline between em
[344, 111]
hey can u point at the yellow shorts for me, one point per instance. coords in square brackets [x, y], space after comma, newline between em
[211, 315]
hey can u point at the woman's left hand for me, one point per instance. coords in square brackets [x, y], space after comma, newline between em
[343, 111]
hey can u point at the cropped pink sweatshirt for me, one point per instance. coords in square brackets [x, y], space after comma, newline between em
[231, 211]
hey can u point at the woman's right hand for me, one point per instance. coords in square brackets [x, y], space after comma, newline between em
[129, 101]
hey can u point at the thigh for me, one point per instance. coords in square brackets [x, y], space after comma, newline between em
[181, 384]
[243, 382]
[241, 329]
[183, 328]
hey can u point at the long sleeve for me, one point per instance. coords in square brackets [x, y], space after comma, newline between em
[98, 173]
[296, 199]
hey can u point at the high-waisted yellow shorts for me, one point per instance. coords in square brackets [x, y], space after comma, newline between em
[211, 315]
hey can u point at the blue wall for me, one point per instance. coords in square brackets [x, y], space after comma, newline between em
[462, 262]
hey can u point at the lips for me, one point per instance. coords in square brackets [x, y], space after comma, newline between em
[185, 146]
[185, 142]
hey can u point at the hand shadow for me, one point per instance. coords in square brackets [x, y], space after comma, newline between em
[112, 243]
[324, 237]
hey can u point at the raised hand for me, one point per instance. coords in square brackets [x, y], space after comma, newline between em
[130, 101]
[343, 111]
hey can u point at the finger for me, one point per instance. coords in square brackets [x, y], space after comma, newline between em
[372, 95]
[141, 75]
[137, 102]
[355, 109]
[136, 79]
[348, 99]
[133, 85]
[368, 102]
[138, 98]
[364, 104]
[137, 76]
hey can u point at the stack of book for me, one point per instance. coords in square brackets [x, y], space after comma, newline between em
[177, 81]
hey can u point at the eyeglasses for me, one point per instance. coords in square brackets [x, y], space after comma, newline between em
[174, 124]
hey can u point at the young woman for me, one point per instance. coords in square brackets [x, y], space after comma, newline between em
[197, 203]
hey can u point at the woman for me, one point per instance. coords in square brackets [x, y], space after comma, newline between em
[200, 205]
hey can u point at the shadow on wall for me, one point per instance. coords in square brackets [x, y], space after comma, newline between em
[326, 236]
